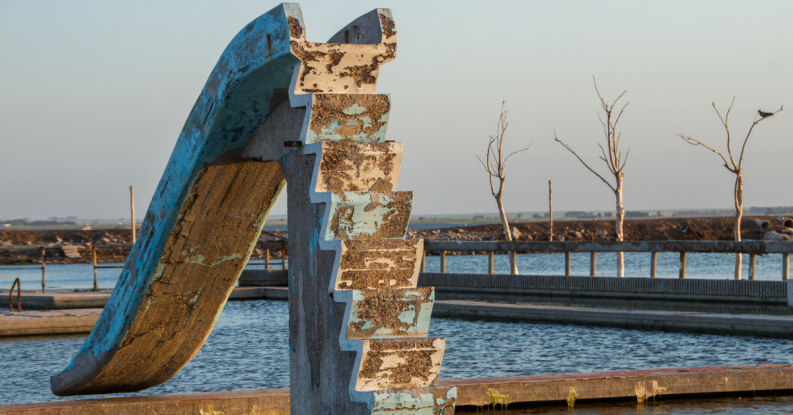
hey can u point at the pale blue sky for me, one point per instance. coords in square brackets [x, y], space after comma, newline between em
[93, 95]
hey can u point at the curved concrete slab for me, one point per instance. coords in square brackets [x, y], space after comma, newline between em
[202, 224]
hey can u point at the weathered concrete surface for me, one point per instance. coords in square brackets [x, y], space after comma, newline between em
[348, 167]
[35, 323]
[382, 314]
[319, 369]
[750, 325]
[352, 198]
[378, 264]
[470, 392]
[351, 65]
[761, 292]
[202, 223]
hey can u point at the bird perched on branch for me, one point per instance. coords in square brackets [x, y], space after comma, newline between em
[765, 114]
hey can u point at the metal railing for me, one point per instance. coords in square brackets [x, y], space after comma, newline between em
[97, 266]
[275, 245]
[11, 296]
[752, 248]
[42, 266]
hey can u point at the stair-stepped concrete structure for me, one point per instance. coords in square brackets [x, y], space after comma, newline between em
[360, 220]
[278, 108]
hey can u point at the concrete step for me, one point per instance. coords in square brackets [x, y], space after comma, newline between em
[371, 264]
[389, 313]
[358, 167]
[368, 215]
[399, 363]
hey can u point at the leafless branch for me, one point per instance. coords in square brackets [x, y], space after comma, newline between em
[582, 161]
[755, 122]
[695, 142]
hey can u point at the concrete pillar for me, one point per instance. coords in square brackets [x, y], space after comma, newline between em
[752, 266]
[653, 263]
[320, 371]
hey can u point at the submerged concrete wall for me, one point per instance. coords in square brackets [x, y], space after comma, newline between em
[650, 288]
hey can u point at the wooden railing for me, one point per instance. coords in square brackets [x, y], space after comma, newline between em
[752, 248]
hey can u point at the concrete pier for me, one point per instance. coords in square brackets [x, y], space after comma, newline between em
[68, 299]
[767, 292]
[471, 393]
[40, 323]
[731, 324]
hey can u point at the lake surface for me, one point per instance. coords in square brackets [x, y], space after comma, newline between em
[248, 350]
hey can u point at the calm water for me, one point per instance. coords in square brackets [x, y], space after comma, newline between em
[706, 266]
[248, 350]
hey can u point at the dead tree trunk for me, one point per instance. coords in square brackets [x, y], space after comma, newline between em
[615, 164]
[738, 217]
[734, 167]
[618, 225]
[495, 164]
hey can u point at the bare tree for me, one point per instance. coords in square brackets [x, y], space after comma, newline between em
[612, 156]
[495, 163]
[733, 167]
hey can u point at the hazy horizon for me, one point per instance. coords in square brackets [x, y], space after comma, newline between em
[96, 93]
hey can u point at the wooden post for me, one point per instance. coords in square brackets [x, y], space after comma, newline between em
[96, 287]
[43, 266]
[567, 271]
[267, 259]
[752, 263]
[785, 267]
[423, 261]
[490, 265]
[593, 263]
[550, 209]
[132, 209]
[682, 265]
[443, 261]
[653, 263]
[283, 256]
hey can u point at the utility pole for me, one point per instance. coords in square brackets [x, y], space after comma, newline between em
[550, 208]
[132, 208]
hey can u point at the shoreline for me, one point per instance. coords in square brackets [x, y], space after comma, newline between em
[113, 245]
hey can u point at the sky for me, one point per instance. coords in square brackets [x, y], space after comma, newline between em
[93, 95]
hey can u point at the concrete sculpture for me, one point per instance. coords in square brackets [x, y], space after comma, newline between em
[279, 109]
